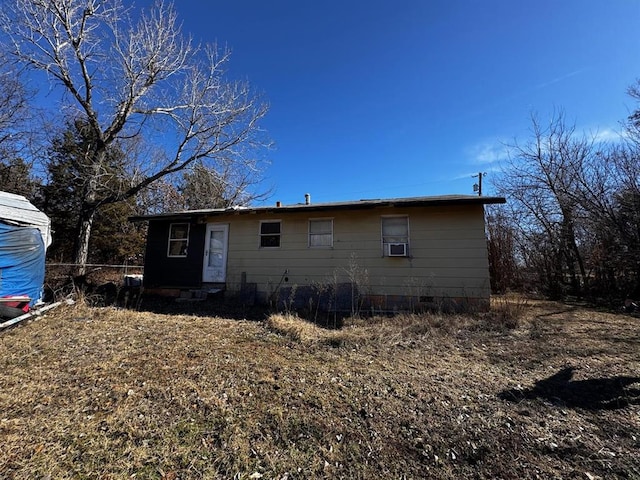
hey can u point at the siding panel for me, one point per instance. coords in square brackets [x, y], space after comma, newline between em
[162, 271]
[447, 248]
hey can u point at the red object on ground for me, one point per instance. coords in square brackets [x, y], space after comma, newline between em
[20, 303]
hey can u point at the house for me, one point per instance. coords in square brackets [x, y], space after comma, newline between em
[381, 254]
[25, 234]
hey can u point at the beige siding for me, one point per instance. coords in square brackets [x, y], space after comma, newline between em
[447, 248]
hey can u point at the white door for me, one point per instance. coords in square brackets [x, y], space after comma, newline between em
[215, 253]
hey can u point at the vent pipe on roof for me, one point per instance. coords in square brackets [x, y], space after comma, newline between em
[278, 204]
[307, 199]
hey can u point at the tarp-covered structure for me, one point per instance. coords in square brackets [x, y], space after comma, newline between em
[25, 234]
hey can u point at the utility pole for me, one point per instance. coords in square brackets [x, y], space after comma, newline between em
[477, 187]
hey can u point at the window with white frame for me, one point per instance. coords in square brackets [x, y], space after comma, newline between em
[270, 233]
[321, 232]
[178, 240]
[395, 236]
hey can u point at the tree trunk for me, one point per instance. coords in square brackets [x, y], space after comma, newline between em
[88, 210]
[573, 254]
[82, 247]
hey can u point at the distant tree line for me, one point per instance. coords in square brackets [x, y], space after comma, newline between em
[571, 225]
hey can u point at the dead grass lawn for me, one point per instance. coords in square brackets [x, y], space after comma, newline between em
[108, 393]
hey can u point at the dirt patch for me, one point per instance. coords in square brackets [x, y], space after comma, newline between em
[109, 393]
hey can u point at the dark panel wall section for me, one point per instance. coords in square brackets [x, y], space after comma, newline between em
[162, 271]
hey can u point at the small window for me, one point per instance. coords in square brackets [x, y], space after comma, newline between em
[395, 236]
[321, 232]
[178, 240]
[270, 234]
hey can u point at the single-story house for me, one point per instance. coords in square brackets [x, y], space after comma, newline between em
[25, 234]
[382, 254]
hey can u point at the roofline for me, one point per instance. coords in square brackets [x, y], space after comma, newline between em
[443, 200]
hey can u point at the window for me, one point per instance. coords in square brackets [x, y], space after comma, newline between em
[178, 240]
[395, 236]
[321, 232]
[270, 233]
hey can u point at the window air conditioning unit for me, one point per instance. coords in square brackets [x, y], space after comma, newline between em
[397, 249]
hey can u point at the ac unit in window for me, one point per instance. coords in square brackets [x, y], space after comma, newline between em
[397, 249]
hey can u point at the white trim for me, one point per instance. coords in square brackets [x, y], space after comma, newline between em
[260, 234]
[186, 240]
[384, 245]
[322, 219]
[209, 274]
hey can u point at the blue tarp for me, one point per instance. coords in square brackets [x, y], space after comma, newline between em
[22, 261]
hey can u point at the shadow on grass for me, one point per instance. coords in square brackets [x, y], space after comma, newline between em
[593, 394]
[219, 306]
[209, 307]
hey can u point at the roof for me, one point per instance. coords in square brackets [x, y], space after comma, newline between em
[17, 210]
[441, 200]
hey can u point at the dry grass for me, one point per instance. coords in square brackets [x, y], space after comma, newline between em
[107, 393]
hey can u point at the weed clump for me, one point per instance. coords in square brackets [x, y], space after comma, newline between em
[292, 327]
[506, 314]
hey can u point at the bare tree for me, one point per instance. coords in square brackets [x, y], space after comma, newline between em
[161, 196]
[13, 107]
[502, 248]
[576, 202]
[633, 121]
[141, 81]
[205, 187]
[609, 193]
[541, 182]
[16, 133]
[15, 172]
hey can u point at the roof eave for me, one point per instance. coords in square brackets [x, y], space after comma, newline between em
[356, 205]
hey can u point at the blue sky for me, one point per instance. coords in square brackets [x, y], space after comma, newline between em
[381, 98]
